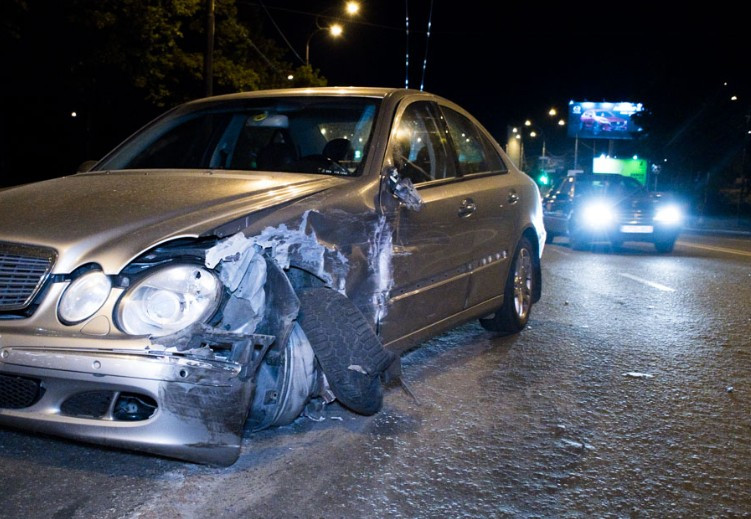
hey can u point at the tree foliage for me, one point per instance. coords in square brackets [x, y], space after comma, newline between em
[158, 47]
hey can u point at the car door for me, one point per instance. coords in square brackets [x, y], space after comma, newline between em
[495, 197]
[431, 247]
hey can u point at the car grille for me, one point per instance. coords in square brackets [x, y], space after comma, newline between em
[18, 392]
[23, 271]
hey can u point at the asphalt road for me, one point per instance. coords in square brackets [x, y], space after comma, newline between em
[628, 395]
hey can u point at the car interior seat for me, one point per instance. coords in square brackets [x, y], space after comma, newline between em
[339, 150]
[275, 156]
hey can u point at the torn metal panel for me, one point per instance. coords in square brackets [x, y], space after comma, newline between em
[361, 267]
[300, 247]
[380, 266]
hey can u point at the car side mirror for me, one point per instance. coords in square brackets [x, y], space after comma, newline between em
[403, 190]
[86, 166]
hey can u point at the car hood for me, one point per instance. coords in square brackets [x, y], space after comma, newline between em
[111, 217]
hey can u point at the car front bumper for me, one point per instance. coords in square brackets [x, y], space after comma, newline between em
[192, 406]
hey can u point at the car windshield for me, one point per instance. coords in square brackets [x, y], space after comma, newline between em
[328, 135]
[609, 186]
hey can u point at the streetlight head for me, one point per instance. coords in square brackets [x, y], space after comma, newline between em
[352, 8]
[518, 136]
[514, 130]
[533, 133]
[734, 98]
[561, 122]
[336, 30]
[527, 123]
[552, 112]
[291, 77]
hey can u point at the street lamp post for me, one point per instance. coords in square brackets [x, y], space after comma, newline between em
[335, 30]
[351, 8]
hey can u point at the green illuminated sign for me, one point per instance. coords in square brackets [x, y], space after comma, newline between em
[634, 168]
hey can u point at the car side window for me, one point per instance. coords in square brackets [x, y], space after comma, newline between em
[419, 148]
[475, 152]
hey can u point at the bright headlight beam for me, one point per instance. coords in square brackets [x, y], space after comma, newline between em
[670, 214]
[597, 214]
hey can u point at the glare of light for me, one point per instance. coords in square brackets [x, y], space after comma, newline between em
[749, 132]
[323, 131]
[419, 139]
[336, 30]
[725, 83]
[670, 214]
[598, 214]
[533, 134]
[552, 112]
[527, 123]
[636, 157]
[352, 8]
[561, 122]
[518, 136]
[665, 160]
[734, 98]
[73, 114]
[514, 130]
[291, 77]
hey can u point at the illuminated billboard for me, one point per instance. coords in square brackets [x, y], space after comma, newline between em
[634, 168]
[603, 120]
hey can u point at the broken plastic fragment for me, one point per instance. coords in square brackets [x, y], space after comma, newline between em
[636, 374]
[575, 445]
[407, 194]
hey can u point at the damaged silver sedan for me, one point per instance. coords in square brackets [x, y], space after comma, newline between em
[246, 259]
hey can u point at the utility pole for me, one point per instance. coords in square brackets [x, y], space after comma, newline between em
[208, 57]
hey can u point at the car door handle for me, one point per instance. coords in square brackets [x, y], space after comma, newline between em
[512, 197]
[467, 208]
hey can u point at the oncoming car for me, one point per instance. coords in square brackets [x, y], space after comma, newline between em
[612, 208]
[245, 259]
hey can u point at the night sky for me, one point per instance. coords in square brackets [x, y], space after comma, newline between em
[506, 61]
[503, 61]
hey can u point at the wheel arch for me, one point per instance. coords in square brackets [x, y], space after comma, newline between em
[531, 235]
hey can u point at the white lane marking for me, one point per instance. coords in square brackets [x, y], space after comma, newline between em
[652, 284]
[713, 248]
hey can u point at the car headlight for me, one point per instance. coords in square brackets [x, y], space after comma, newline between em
[597, 214]
[670, 214]
[83, 297]
[169, 299]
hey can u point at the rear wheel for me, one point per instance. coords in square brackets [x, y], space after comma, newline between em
[517, 295]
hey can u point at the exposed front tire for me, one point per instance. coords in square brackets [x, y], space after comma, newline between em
[517, 295]
[348, 350]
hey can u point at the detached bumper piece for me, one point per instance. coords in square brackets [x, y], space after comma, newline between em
[189, 405]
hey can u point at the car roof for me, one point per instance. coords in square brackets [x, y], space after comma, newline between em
[378, 92]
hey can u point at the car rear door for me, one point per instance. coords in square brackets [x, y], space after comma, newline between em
[495, 197]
